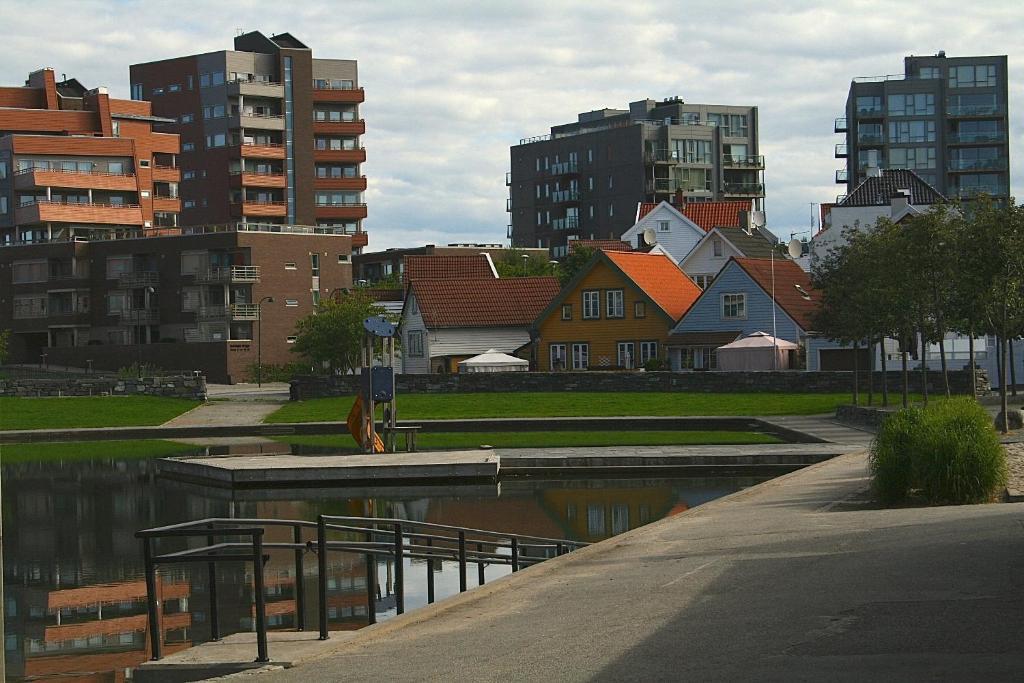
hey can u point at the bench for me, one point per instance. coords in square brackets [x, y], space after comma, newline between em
[390, 440]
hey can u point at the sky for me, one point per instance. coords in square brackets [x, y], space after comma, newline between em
[451, 85]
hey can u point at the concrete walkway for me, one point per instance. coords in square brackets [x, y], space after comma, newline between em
[223, 413]
[795, 579]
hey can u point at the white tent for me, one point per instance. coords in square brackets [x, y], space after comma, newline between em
[493, 360]
[755, 352]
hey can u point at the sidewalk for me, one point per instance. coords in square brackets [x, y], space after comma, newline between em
[796, 579]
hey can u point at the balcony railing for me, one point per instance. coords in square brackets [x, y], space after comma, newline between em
[977, 164]
[566, 196]
[869, 139]
[840, 151]
[138, 278]
[841, 125]
[972, 138]
[973, 190]
[508, 178]
[659, 156]
[138, 316]
[662, 185]
[508, 231]
[42, 169]
[743, 160]
[567, 223]
[842, 175]
[229, 274]
[244, 311]
[743, 188]
[564, 168]
[212, 312]
[972, 109]
[508, 204]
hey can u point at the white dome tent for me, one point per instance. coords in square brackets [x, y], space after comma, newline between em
[493, 360]
[755, 352]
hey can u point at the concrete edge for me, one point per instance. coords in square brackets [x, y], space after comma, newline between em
[382, 629]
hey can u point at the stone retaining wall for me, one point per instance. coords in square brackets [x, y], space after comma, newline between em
[863, 416]
[696, 382]
[179, 386]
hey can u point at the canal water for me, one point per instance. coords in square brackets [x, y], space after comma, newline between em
[74, 596]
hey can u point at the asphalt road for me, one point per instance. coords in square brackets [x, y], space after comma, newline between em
[795, 580]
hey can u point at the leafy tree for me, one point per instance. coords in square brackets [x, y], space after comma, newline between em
[576, 260]
[517, 263]
[5, 337]
[333, 334]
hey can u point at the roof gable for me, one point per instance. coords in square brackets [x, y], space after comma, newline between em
[658, 277]
[487, 302]
[794, 293]
[462, 267]
[880, 190]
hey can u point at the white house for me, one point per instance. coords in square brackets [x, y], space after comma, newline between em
[719, 245]
[677, 229]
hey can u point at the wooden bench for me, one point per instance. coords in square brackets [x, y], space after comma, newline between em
[390, 440]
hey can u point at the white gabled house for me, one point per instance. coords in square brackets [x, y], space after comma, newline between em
[707, 259]
[674, 234]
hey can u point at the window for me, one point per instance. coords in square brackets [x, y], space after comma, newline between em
[590, 155]
[291, 340]
[591, 305]
[566, 311]
[703, 281]
[928, 72]
[189, 82]
[639, 309]
[981, 104]
[188, 175]
[734, 306]
[158, 91]
[316, 297]
[291, 302]
[663, 226]
[217, 78]
[595, 520]
[174, 87]
[620, 518]
[28, 271]
[624, 355]
[716, 246]
[869, 105]
[289, 265]
[611, 182]
[3, 170]
[611, 209]
[216, 140]
[414, 340]
[342, 258]
[557, 357]
[204, 80]
[916, 104]
[3, 205]
[869, 133]
[648, 351]
[614, 303]
[912, 157]
[580, 356]
[137, 91]
[188, 147]
[911, 131]
[972, 76]
[189, 204]
[214, 111]
[314, 264]
[115, 129]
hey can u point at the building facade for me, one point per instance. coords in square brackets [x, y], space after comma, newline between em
[76, 163]
[269, 134]
[584, 179]
[390, 264]
[944, 118]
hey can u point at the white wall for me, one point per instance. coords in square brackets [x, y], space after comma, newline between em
[413, 322]
[682, 235]
[702, 260]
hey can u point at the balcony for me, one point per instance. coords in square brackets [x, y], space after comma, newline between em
[871, 112]
[842, 175]
[166, 174]
[230, 274]
[45, 211]
[256, 89]
[508, 205]
[662, 185]
[343, 95]
[968, 165]
[138, 278]
[841, 151]
[215, 312]
[976, 138]
[841, 125]
[969, 191]
[252, 207]
[564, 168]
[567, 223]
[256, 121]
[566, 196]
[31, 178]
[969, 110]
[358, 183]
[352, 156]
[138, 316]
[234, 311]
[869, 140]
[357, 127]
[661, 156]
[744, 189]
[253, 179]
[508, 179]
[743, 161]
[353, 211]
[166, 204]
[268, 150]
[508, 231]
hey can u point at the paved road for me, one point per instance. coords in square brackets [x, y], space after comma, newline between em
[793, 580]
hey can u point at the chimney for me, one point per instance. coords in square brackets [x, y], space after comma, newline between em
[900, 202]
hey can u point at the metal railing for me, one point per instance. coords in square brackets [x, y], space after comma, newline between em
[44, 169]
[841, 151]
[371, 537]
[842, 175]
[567, 223]
[970, 138]
[743, 160]
[564, 168]
[138, 278]
[841, 125]
[972, 109]
[229, 274]
[977, 165]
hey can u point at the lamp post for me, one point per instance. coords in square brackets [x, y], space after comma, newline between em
[259, 339]
[138, 323]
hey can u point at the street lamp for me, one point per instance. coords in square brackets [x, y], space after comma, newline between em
[259, 338]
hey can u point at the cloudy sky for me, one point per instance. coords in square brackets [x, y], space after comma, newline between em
[450, 85]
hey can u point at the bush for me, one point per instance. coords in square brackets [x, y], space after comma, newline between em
[655, 364]
[946, 453]
[139, 370]
[276, 373]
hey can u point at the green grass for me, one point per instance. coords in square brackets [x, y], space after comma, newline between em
[571, 404]
[89, 411]
[90, 450]
[452, 440]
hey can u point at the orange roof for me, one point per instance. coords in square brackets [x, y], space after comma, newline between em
[788, 275]
[505, 302]
[466, 267]
[645, 208]
[707, 215]
[605, 245]
[659, 278]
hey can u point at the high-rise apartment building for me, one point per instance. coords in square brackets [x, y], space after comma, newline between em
[945, 118]
[268, 134]
[584, 180]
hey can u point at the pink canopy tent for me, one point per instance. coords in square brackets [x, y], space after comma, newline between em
[755, 352]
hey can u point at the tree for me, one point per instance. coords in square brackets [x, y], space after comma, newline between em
[517, 263]
[578, 258]
[333, 334]
[5, 336]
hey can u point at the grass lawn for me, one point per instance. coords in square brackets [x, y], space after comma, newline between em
[571, 404]
[453, 440]
[89, 411]
[90, 450]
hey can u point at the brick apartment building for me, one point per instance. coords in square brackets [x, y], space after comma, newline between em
[94, 268]
[269, 134]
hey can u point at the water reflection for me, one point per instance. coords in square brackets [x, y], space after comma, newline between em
[75, 601]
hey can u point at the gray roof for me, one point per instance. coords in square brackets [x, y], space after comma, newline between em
[879, 191]
[755, 245]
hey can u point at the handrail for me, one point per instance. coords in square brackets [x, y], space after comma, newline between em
[53, 201]
[32, 169]
[390, 538]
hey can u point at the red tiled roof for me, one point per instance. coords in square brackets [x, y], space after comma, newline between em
[604, 245]
[711, 215]
[508, 302]
[787, 276]
[645, 208]
[466, 267]
[659, 278]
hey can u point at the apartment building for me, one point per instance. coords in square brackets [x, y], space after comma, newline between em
[584, 180]
[269, 134]
[945, 118]
[75, 162]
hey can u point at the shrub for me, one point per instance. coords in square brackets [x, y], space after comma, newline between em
[946, 453]
[277, 373]
[139, 370]
[655, 364]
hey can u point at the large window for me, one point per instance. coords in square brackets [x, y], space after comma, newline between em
[734, 306]
[978, 104]
[869, 105]
[648, 350]
[625, 356]
[30, 306]
[557, 357]
[615, 307]
[929, 72]
[580, 356]
[915, 104]
[591, 305]
[972, 76]
[869, 133]
[414, 340]
[976, 158]
[692, 151]
[28, 271]
[912, 157]
[911, 131]
[977, 131]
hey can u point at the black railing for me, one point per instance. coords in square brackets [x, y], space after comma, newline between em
[372, 537]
